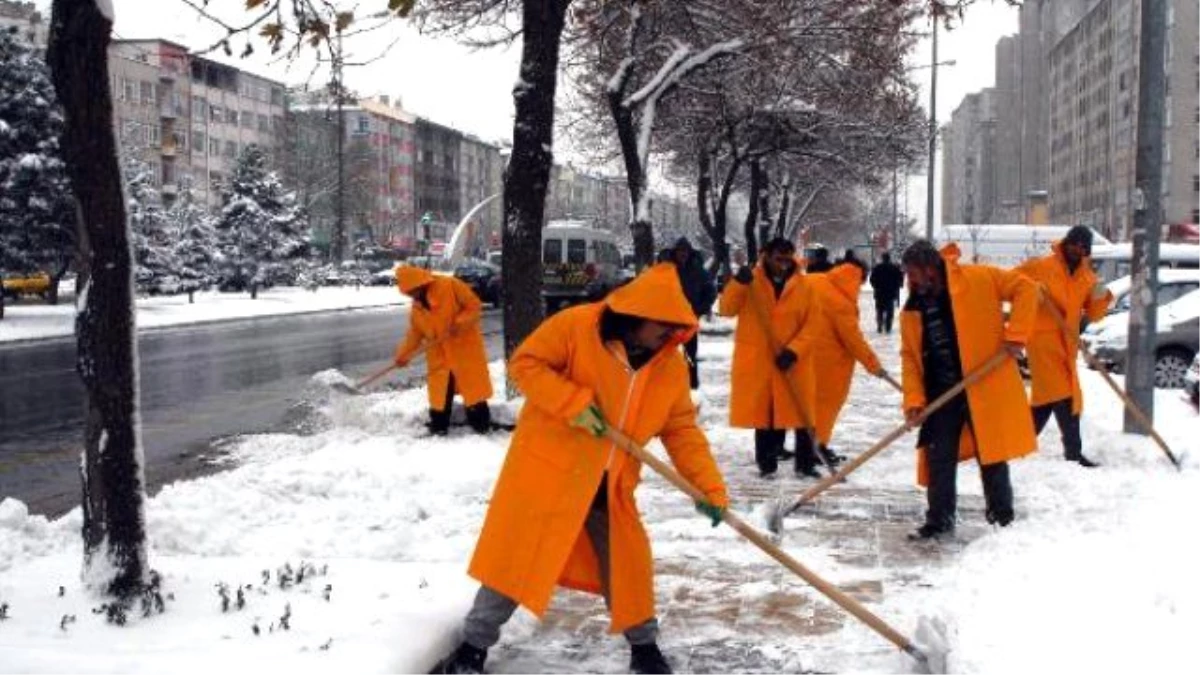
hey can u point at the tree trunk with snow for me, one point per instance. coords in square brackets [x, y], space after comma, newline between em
[527, 177]
[750, 227]
[764, 205]
[114, 530]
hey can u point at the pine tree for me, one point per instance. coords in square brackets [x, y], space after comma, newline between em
[260, 233]
[36, 207]
[153, 248]
[195, 242]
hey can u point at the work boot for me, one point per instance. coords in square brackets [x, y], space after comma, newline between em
[807, 470]
[479, 417]
[647, 659]
[931, 532]
[831, 456]
[785, 454]
[1001, 517]
[465, 659]
[1082, 461]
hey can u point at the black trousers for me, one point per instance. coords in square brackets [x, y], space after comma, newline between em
[941, 433]
[768, 444]
[1068, 425]
[806, 451]
[689, 350]
[885, 312]
[479, 416]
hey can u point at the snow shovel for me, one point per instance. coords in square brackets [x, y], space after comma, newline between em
[776, 516]
[1142, 419]
[357, 389]
[794, 394]
[930, 659]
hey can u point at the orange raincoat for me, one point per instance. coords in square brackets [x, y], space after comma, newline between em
[758, 397]
[1053, 355]
[533, 537]
[1001, 427]
[450, 329]
[837, 342]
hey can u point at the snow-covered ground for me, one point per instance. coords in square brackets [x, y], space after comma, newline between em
[1098, 572]
[26, 321]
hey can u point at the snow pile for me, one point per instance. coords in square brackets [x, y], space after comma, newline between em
[28, 322]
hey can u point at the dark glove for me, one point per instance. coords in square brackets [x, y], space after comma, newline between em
[786, 359]
[743, 276]
[711, 511]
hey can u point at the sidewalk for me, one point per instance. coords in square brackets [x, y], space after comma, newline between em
[730, 608]
[27, 321]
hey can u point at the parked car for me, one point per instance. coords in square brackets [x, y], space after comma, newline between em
[1176, 342]
[483, 278]
[1115, 260]
[17, 285]
[579, 263]
[1172, 285]
[1191, 381]
[384, 277]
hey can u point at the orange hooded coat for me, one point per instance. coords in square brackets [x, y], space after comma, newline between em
[837, 342]
[450, 329]
[1001, 427]
[1053, 355]
[533, 536]
[758, 397]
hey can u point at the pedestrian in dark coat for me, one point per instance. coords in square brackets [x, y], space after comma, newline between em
[886, 279]
[700, 291]
[820, 261]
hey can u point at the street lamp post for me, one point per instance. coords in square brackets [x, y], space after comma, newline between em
[932, 135]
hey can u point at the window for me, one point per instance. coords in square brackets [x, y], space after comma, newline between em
[129, 90]
[248, 120]
[198, 141]
[181, 140]
[199, 108]
[576, 251]
[1169, 292]
[214, 146]
[152, 134]
[264, 124]
[552, 252]
[276, 96]
[231, 116]
[215, 114]
[231, 149]
[363, 125]
[149, 96]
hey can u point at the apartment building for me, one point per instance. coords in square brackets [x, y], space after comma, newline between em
[30, 25]
[481, 175]
[969, 161]
[189, 117]
[1093, 117]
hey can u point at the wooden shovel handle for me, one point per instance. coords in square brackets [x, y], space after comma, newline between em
[763, 542]
[366, 381]
[1142, 419]
[849, 467]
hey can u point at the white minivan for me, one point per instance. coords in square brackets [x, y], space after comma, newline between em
[580, 263]
[1006, 245]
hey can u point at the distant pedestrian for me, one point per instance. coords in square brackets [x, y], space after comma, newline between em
[444, 321]
[886, 280]
[700, 292]
[820, 261]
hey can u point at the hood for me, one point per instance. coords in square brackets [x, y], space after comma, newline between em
[683, 241]
[1057, 247]
[409, 278]
[655, 294]
[847, 279]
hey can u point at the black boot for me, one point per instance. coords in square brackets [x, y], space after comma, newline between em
[1001, 517]
[464, 659]
[1082, 461]
[806, 458]
[647, 659]
[439, 422]
[931, 532]
[479, 416]
[831, 457]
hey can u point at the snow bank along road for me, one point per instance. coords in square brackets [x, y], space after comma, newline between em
[199, 383]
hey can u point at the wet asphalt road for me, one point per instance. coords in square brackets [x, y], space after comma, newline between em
[199, 384]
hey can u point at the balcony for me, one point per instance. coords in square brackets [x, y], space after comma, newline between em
[170, 149]
[169, 112]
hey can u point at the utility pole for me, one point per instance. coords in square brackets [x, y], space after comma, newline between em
[932, 134]
[1147, 204]
[339, 224]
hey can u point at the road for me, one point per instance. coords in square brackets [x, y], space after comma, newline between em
[199, 384]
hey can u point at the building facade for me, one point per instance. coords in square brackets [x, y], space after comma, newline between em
[1094, 116]
[29, 24]
[969, 156]
[189, 117]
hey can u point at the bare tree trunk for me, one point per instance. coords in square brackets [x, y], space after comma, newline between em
[527, 177]
[764, 206]
[114, 531]
[785, 205]
[751, 225]
[635, 178]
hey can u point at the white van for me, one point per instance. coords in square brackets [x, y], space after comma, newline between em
[1006, 245]
[580, 263]
[1113, 261]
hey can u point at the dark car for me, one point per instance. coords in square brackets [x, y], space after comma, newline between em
[483, 278]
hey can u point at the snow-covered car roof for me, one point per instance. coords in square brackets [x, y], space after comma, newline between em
[1166, 275]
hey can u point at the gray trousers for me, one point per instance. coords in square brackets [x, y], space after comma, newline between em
[492, 610]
